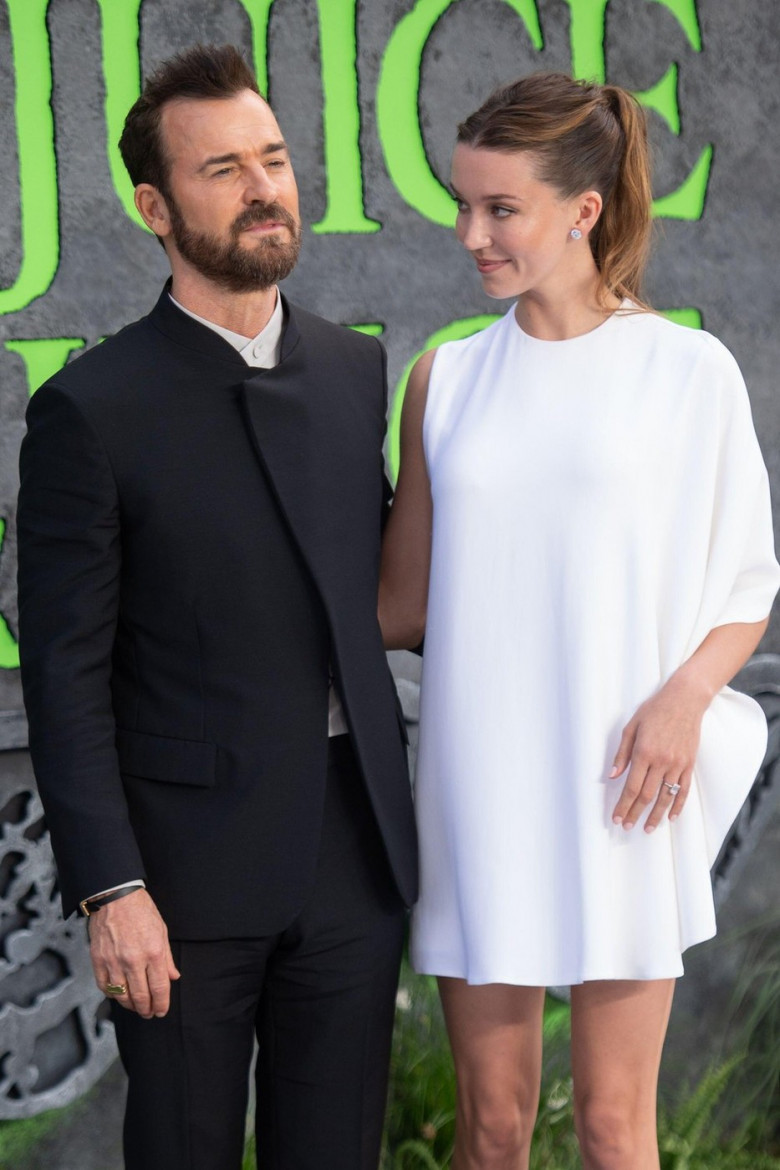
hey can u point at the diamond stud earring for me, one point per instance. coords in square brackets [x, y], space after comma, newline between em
[575, 234]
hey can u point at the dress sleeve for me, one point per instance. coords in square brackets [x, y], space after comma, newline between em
[741, 578]
[743, 572]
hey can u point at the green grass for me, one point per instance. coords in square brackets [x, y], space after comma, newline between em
[18, 1139]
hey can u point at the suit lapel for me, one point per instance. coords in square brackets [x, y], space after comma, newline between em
[313, 450]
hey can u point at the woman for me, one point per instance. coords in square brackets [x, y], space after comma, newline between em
[584, 483]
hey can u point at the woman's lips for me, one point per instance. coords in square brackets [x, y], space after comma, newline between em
[486, 266]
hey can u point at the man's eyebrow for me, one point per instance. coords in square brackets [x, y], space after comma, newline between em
[216, 159]
[233, 156]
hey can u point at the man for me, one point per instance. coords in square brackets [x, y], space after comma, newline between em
[199, 523]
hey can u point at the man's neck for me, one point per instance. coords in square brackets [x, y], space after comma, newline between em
[245, 313]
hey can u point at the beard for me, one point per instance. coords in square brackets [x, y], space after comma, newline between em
[227, 262]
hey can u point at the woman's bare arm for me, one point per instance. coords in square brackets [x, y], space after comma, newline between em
[406, 547]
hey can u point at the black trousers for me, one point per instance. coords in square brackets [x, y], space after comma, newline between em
[320, 999]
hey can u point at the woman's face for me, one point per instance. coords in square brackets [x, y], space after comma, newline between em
[516, 227]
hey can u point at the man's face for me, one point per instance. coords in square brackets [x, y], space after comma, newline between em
[232, 197]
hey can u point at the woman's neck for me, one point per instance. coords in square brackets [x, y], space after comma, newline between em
[562, 314]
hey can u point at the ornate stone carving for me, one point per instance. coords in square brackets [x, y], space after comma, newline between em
[54, 1038]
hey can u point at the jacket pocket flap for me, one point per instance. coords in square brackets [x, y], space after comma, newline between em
[176, 761]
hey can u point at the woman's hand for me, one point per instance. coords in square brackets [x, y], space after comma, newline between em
[660, 745]
[661, 741]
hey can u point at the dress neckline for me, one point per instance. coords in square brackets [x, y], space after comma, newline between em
[620, 312]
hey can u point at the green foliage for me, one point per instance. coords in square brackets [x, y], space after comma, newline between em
[415, 1155]
[754, 1096]
[250, 1161]
[689, 1139]
[421, 1107]
[18, 1139]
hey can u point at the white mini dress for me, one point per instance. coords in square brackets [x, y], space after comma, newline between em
[600, 504]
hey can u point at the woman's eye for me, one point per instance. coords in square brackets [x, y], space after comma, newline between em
[501, 212]
[461, 206]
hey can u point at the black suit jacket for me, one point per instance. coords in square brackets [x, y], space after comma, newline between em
[198, 547]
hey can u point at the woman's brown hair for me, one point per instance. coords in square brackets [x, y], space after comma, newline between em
[585, 137]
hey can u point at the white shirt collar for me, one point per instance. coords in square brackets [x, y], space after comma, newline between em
[262, 351]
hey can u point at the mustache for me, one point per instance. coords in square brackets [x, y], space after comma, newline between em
[265, 213]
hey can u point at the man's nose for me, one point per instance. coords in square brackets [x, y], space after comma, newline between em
[260, 186]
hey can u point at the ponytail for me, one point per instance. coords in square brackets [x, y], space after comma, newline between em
[621, 238]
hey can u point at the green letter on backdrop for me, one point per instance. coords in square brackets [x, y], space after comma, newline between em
[397, 106]
[44, 356]
[122, 77]
[341, 120]
[259, 13]
[38, 201]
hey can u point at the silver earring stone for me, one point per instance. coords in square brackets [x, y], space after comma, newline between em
[575, 234]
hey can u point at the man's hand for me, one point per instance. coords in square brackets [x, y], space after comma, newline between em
[128, 942]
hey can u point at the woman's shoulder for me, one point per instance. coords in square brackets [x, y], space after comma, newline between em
[680, 343]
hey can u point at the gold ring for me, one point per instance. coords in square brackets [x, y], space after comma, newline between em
[116, 989]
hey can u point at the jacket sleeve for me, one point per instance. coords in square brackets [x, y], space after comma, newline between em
[69, 579]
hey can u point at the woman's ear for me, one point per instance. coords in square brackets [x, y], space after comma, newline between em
[588, 208]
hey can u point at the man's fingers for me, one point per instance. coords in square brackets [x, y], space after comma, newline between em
[128, 935]
[160, 992]
[110, 984]
[140, 997]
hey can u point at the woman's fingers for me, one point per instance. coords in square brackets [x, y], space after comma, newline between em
[623, 754]
[663, 787]
[670, 798]
[681, 795]
[636, 795]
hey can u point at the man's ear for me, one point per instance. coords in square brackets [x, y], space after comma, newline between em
[153, 209]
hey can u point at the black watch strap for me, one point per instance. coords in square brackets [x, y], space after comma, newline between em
[90, 904]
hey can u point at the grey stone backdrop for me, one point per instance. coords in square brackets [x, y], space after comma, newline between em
[409, 277]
